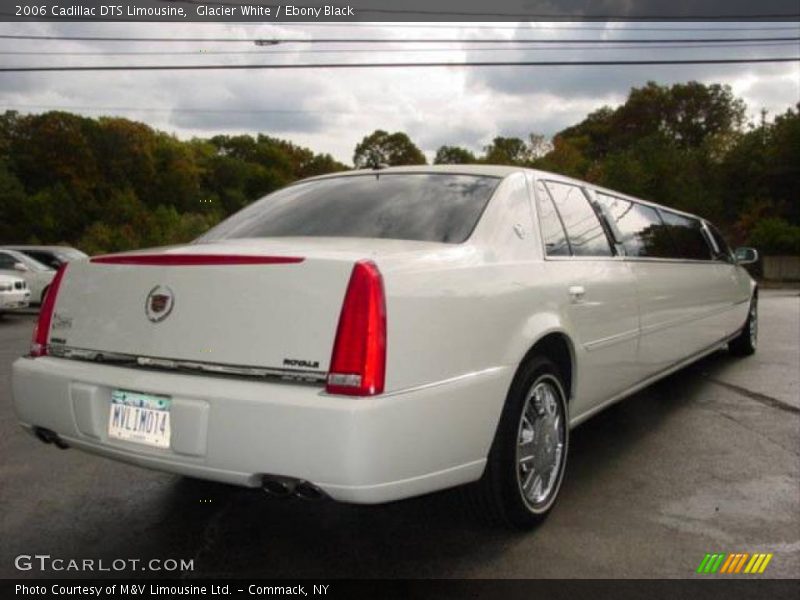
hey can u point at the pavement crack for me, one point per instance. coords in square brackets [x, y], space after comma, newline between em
[762, 398]
[755, 431]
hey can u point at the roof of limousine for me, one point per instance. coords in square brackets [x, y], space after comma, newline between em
[491, 171]
[486, 170]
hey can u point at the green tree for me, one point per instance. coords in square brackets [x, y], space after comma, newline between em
[393, 149]
[14, 225]
[454, 155]
[508, 151]
[783, 164]
[565, 158]
[776, 236]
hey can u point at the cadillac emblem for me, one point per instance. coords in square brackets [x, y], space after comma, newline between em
[159, 303]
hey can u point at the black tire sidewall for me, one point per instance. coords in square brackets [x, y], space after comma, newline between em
[743, 345]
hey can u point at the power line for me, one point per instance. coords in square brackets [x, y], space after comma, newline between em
[534, 16]
[404, 65]
[373, 51]
[538, 26]
[275, 41]
[182, 110]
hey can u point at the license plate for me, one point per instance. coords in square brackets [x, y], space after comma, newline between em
[139, 418]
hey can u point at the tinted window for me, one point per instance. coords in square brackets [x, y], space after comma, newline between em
[7, 261]
[643, 232]
[687, 235]
[31, 263]
[43, 257]
[425, 207]
[584, 230]
[555, 240]
[724, 249]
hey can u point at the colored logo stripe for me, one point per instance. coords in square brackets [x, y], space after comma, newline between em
[710, 563]
[741, 562]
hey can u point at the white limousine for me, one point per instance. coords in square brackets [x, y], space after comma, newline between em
[375, 335]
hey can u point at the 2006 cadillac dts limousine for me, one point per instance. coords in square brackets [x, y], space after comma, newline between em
[375, 335]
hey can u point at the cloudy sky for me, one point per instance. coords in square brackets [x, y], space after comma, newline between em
[331, 110]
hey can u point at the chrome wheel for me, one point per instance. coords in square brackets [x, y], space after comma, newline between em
[754, 322]
[541, 439]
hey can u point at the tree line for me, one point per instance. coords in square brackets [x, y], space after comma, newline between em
[110, 184]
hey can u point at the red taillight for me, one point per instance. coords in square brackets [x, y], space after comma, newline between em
[358, 363]
[41, 332]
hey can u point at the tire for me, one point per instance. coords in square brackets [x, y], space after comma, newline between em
[746, 342]
[507, 492]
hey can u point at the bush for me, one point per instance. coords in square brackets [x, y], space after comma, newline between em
[775, 236]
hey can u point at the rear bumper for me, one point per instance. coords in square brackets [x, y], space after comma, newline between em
[363, 450]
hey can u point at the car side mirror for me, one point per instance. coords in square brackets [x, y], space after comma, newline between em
[746, 256]
[20, 267]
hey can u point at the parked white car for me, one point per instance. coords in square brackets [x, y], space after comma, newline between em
[375, 335]
[50, 256]
[36, 275]
[14, 293]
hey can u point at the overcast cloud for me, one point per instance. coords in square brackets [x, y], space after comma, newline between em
[330, 111]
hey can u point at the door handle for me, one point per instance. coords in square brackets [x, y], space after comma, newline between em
[576, 293]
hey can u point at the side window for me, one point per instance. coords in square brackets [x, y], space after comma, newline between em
[643, 231]
[584, 230]
[7, 261]
[555, 240]
[725, 253]
[687, 235]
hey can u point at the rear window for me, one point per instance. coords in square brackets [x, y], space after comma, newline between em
[432, 207]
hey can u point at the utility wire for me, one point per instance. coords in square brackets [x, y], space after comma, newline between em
[275, 41]
[535, 16]
[403, 65]
[181, 110]
[373, 51]
[534, 26]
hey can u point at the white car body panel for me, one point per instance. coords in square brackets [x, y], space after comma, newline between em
[14, 293]
[460, 319]
[37, 280]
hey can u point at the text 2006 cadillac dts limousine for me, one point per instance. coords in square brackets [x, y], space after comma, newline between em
[374, 335]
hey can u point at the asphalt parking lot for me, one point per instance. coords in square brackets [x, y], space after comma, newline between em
[707, 460]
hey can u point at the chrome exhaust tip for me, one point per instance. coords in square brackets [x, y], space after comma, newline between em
[280, 488]
[285, 487]
[308, 491]
[50, 437]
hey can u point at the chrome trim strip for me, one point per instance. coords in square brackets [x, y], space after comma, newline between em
[625, 335]
[577, 420]
[148, 362]
[434, 384]
[617, 338]
[647, 330]
[640, 259]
